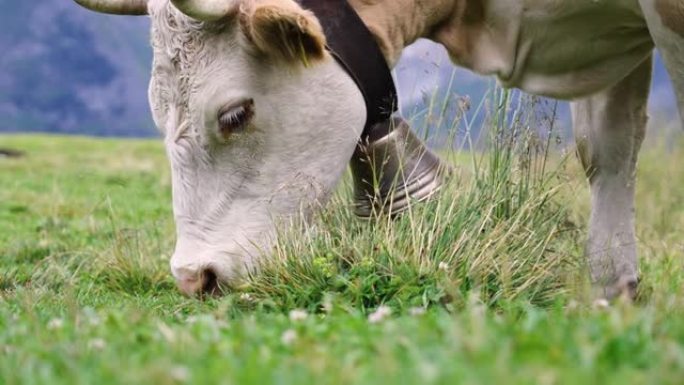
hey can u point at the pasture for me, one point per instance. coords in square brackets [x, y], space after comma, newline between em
[485, 285]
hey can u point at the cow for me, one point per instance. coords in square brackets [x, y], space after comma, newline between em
[259, 119]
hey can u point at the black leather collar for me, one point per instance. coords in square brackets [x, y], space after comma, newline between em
[354, 47]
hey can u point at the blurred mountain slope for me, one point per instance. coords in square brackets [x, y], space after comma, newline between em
[67, 70]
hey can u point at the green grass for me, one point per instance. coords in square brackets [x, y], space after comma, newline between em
[484, 285]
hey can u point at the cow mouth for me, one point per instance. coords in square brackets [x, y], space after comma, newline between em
[206, 284]
[210, 284]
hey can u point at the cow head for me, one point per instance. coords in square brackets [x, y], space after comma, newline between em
[259, 123]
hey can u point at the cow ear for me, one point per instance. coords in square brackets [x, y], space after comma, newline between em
[283, 30]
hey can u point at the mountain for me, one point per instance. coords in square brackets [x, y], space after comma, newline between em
[67, 70]
[64, 69]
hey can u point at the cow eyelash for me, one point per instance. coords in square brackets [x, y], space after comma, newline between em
[235, 119]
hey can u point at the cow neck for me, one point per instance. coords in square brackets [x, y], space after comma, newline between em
[353, 45]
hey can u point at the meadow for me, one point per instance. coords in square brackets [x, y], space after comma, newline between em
[485, 285]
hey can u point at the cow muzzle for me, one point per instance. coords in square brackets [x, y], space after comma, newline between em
[197, 283]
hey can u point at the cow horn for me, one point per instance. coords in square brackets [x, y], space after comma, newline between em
[115, 7]
[207, 10]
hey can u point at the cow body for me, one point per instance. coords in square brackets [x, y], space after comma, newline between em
[259, 121]
[596, 53]
[553, 48]
[561, 49]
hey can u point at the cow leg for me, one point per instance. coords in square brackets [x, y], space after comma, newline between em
[665, 20]
[609, 129]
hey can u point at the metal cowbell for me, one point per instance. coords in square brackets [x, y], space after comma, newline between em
[393, 171]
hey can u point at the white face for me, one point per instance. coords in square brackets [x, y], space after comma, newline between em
[253, 141]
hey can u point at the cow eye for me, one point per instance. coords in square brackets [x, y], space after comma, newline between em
[234, 119]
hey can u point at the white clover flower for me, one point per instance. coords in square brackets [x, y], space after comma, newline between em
[289, 337]
[55, 324]
[417, 311]
[167, 333]
[298, 315]
[601, 304]
[97, 344]
[443, 266]
[180, 373]
[91, 316]
[379, 314]
[246, 297]
[94, 321]
[327, 305]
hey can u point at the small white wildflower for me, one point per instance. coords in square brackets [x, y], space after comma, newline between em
[572, 305]
[443, 266]
[298, 315]
[97, 344]
[180, 373]
[55, 324]
[417, 311]
[289, 337]
[429, 371]
[601, 304]
[91, 316]
[379, 314]
[327, 305]
[166, 332]
[246, 297]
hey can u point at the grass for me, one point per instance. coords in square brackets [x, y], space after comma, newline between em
[484, 285]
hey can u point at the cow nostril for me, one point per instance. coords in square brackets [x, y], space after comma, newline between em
[199, 284]
[210, 282]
